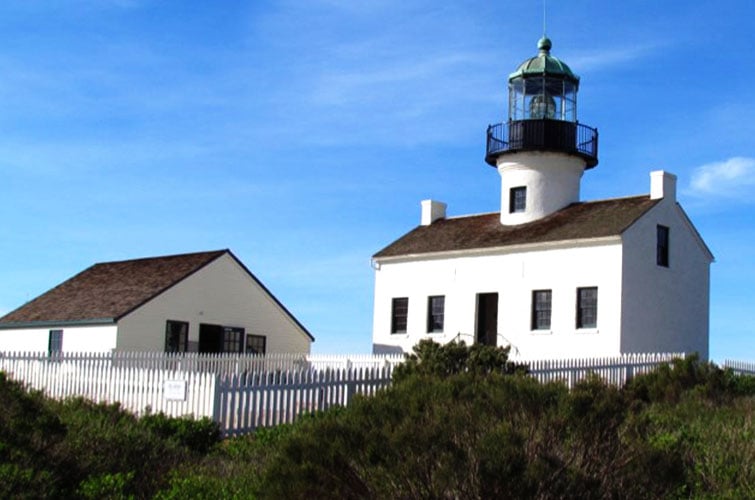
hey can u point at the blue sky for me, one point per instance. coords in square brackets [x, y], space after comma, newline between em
[303, 134]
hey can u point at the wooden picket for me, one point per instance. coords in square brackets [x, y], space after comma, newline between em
[135, 389]
[241, 398]
[614, 370]
[740, 367]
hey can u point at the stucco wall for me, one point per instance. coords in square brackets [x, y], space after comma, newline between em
[552, 181]
[666, 309]
[221, 293]
[75, 339]
[513, 275]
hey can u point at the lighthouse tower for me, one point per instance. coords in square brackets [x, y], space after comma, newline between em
[542, 150]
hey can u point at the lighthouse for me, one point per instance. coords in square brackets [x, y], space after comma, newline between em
[542, 150]
[549, 275]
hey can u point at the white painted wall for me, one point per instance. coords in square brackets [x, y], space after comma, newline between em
[552, 181]
[75, 339]
[513, 274]
[221, 293]
[665, 309]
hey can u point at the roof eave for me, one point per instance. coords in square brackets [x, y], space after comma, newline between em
[501, 249]
[12, 325]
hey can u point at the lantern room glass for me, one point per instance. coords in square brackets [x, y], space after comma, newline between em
[541, 97]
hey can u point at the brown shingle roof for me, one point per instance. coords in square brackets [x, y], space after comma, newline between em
[108, 291]
[577, 221]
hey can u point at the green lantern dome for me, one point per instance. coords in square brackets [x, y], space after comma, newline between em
[544, 64]
[542, 112]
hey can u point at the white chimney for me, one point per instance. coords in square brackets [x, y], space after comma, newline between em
[431, 211]
[662, 185]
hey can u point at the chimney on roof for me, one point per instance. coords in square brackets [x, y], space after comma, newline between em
[431, 211]
[662, 185]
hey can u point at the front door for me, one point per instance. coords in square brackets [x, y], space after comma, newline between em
[487, 319]
[210, 338]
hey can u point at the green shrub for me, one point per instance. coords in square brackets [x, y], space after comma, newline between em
[442, 360]
[689, 377]
[32, 463]
[197, 435]
[106, 486]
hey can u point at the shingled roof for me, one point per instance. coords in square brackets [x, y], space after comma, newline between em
[577, 221]
[107, 291]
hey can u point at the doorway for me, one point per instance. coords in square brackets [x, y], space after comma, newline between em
[210, 338]
[486, 329]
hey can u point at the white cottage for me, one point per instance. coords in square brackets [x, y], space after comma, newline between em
[201, 302]
[549, 275]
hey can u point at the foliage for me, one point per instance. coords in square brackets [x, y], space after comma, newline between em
[76, 448]
[458, 422]
[446, 429]
[668, 383]
[31, 435]
[196, 435]
[442, 360]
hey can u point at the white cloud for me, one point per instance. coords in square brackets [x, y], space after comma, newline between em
[731, 178]
[599, 60]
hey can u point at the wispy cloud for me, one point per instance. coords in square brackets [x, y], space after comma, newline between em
[598, 60]
[730, 178]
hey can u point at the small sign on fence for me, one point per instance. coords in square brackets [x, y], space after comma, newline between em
[175, 390]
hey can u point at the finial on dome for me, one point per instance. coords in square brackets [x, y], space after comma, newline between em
[544, 45]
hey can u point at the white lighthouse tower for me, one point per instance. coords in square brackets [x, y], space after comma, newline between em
[542, 150]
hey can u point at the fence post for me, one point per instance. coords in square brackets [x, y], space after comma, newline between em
[216, 403]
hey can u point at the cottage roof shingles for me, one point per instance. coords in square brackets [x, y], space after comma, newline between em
[108, 291]
[577, 221]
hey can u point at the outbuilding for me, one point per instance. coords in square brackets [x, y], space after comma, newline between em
[197, 302]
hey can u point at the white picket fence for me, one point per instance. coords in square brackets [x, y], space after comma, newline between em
[218, 363]
[136, 389]
[265, 399]
[241, 398]
[740, 367]
[616, 370]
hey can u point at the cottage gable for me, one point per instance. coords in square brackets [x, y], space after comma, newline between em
[107, 291]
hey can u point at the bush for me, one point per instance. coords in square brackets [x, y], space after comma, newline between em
[198, 436]
[442, 360]
[689, 377]
[32, 463]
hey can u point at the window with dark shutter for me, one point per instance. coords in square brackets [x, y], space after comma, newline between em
[587, 307]
[436, 306]
[399, 313]
[541, 310]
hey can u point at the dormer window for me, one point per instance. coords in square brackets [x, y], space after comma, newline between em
[517, 199]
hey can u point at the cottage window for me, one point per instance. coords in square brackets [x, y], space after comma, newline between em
[176, 336]
[256, 344]
[518, 199]
[55, 342]
[587, 307]
[232, 339]
[541, 310]
[662, 245]
[436, 306]
[399, 313]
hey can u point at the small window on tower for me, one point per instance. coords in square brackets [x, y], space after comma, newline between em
[518, 199]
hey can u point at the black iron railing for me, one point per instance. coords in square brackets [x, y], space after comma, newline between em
[544, 135]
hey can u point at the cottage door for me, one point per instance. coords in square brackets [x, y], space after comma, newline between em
[486, 329]
[210, 338]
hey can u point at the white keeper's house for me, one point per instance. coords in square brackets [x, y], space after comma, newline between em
[197, 302]
[549, 275]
